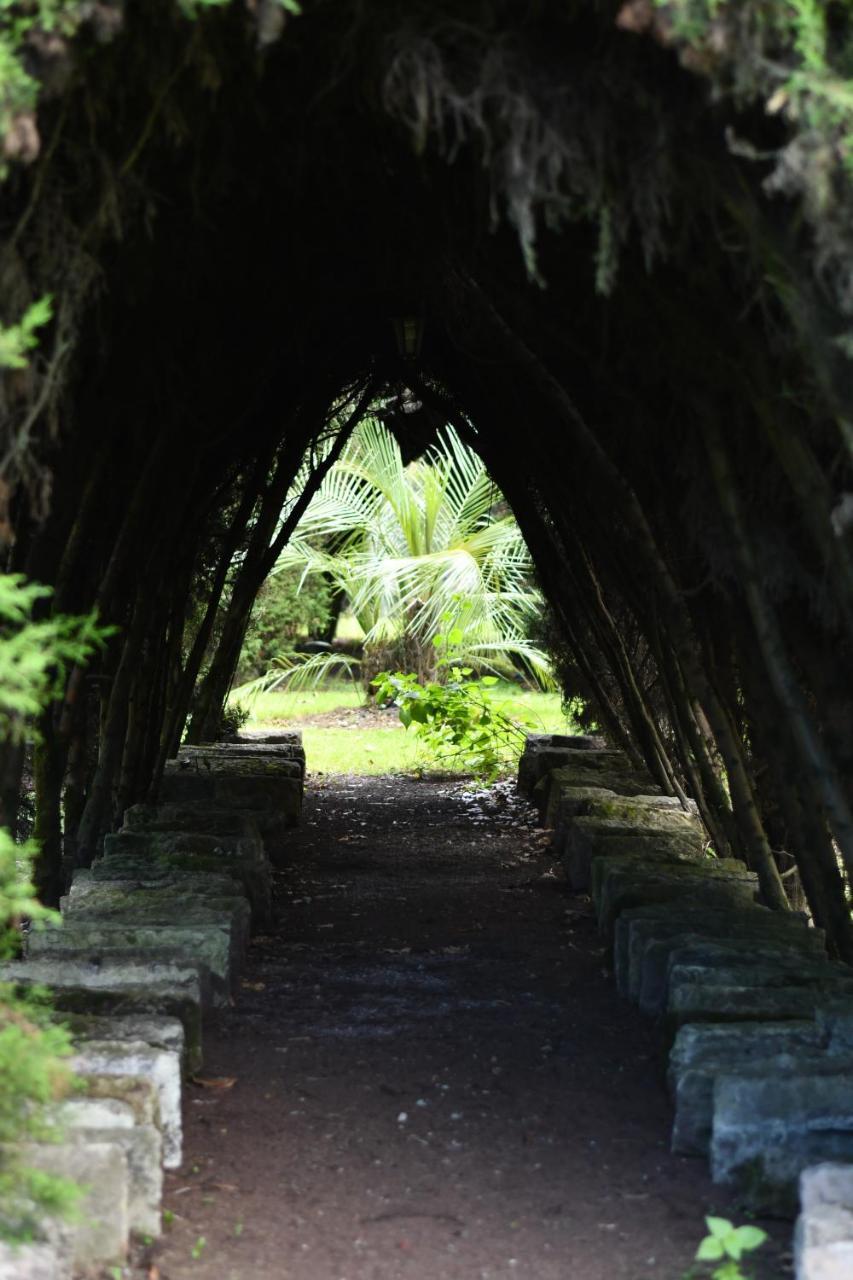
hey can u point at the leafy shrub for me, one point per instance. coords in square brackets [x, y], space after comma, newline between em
[458, 719]
[285, 611]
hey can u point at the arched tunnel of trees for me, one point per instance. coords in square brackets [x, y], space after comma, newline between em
[608, 243]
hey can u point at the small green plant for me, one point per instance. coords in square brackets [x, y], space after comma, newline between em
[18, 340]
[457, 720]
[198, 1248]
[168, 1217]
[726, 1244]
[233, 718]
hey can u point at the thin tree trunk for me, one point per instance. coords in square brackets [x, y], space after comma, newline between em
[815, 759]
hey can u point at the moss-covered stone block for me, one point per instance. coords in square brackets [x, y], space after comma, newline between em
[776, 1119]
[703, 1051]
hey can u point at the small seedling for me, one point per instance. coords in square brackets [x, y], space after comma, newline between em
[198, 1248]
[238, 1228]
[168, 1217]
[726, 1244]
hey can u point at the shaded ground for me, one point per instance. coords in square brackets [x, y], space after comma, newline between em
[432, 1075]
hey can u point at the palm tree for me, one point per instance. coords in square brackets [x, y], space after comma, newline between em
[430, 559]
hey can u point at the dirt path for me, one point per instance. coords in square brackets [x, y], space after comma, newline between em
[433, 1076]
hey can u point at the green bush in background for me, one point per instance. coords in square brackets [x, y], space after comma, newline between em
[286, 611]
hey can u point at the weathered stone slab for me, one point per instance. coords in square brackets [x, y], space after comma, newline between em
[619, 883]
[545, 751]
[154, 998]
[789, 963]
[184, 900]
[774, 1120]
[703, 1051]
[146, 843]
[170, 853]
[275, 803]
[605, 769]
[205, 818]
[835, 1019]
[823, 1240]
[268, 739]
[821, 978]
[33, 1262]
[135, 1058]
[118, 966]
[202, 887]
[636, 927]
[155, 1030]
[245, 750]
[206, 947]
[632, 813]
[739, 1002]
[133, 970]
[240, 765]
[100, 1234]
[137, 1092]
[109, 1120]
[591, 837]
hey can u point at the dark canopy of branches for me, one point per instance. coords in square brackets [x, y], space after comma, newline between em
[632, 283]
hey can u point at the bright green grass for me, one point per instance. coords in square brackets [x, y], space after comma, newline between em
[364, 751]
[283, 705]
[376, 750]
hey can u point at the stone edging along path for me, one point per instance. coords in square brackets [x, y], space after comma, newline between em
[153, 938]
[758, 1021]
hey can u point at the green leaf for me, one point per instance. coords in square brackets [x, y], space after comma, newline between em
[19, 339]
[750, 1238]
[488, 681]
[719, 1227]
[710, 1250]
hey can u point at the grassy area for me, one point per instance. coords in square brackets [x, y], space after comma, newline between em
[283, 705]
[363, 751]
[379, 749]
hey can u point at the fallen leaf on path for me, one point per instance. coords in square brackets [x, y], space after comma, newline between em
[215, 1082]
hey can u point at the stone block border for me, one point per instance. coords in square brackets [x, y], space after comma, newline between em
[152, 939]
[757, 1019]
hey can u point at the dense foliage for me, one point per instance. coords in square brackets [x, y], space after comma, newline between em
[610, 243]
[287, 610]
[421, 550]
[457, 718]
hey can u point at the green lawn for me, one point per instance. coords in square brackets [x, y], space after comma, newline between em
[392, 750]
[282, 706]
[378, 749]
